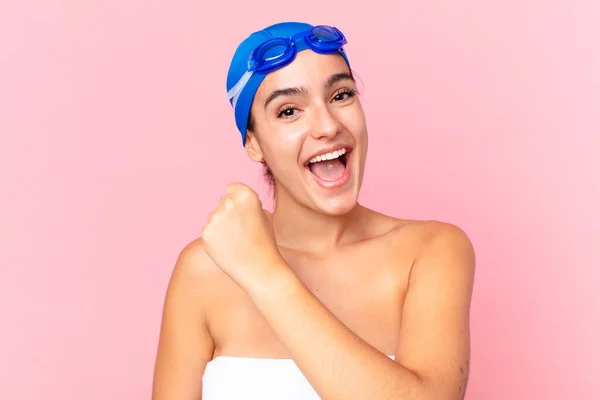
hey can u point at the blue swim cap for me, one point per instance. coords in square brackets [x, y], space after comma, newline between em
[239, 66]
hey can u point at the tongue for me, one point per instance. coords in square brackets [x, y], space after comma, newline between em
[330, 170]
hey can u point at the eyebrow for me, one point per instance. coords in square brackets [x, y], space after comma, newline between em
[342, 76]
[296, 91]
[299, 91]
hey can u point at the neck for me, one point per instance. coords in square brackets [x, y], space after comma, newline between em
[302, 229]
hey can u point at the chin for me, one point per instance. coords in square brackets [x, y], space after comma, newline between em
[336, 209]
[335, 204]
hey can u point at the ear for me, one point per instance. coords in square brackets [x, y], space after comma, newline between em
[253, 147]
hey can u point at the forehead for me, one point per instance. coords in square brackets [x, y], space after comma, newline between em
[309, 69]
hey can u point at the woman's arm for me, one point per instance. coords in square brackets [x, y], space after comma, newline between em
[433, 345]
[185, 345]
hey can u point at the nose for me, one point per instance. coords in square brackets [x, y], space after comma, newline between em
[325, 124]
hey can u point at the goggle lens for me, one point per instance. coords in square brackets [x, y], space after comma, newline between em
[325, 34]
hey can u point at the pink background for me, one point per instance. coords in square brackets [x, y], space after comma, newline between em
[116, 140]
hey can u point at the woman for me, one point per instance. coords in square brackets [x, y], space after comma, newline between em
[324, 298]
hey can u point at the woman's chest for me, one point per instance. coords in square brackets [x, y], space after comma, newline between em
[365, 291]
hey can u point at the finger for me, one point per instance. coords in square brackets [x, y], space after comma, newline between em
[238, 190]
[233, 188]
[205, 232]
[227, 204]
[208, 220]
[222, 200]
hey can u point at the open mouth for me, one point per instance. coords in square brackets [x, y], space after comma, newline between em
[330, 168]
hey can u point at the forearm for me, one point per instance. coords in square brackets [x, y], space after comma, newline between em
[338, 363]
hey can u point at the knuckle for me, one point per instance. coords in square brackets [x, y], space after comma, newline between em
[205, 233]
[243, 194]
[232, 187]
[238, 189]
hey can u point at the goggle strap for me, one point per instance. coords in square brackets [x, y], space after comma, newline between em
[235, 91]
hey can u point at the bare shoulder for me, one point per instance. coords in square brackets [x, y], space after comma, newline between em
[436, 236]
[440, 239]
[428, 240]
[198, 283]
[195, 275]
[195, 285]
[194, 281]
[441, 249]
[193, 262]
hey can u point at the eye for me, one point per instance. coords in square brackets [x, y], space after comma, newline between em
[344, 94]
[287, 112]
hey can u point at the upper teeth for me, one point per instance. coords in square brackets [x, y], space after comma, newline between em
[328, 156]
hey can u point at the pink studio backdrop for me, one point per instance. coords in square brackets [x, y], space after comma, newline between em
[116, 141]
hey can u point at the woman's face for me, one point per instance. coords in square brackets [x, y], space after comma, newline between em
[307, 109]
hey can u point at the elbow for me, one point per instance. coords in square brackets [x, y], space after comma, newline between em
[428, 389]
[442, 394]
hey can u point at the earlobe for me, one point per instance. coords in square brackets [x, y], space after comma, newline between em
[253, 148]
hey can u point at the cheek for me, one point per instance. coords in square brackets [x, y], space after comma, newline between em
[282, 155]
[286, 138]
[280, 143]
[354, 121]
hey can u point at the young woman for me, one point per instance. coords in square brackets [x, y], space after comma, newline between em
[324, 298]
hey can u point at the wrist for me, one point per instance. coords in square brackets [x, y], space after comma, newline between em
[277, 278]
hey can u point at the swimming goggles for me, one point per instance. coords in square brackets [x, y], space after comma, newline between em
[277, 52]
